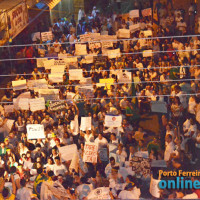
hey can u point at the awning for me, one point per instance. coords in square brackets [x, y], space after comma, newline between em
[51, 3]
[6, 5]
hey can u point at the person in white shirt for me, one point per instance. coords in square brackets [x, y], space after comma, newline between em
[101, 141]
[169, 147]
[23, 192]
[110, 165]
[57, 46]
[58, 167]
[124, 102]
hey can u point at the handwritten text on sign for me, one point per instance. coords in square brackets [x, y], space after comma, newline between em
[90, 152]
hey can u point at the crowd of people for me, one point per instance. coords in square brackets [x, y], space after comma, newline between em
[167, 78]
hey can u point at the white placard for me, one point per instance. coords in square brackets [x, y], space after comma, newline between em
[37, 104]
[71, 60]
[124, 77]
[40, 62]
[56, 78]
[49, 94]
[134, 27]
[146, 12]
[80, 49]
[62, 56]
[8, 125]
[106, 44]
[70, 95]
[35, 36]
[21, 104]
[113, 121]
[113, 53]
[8, 108]
[59, 63]
[19, 85]
[134, 13]
[124, 33]
[87, 91]
[99, 193]
[90, 152]
[39, 84]
[147, 53]
[75, 74]
[148, 33]
[154, 189]
[45, 36]
[35, 131]
[86, 123]
[158, 106]
[48, 63]
[84, 81]
[67, 152]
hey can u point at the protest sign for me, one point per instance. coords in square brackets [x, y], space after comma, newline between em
[112, 151]
[108, 82]
[8, 108]
[67, 152]
[57, 72]
[158, 106]
[48, 63]
[86, 123]
[94, 45]
[19, 85]
[113, 53]
[37, 104]
[146, 12]
[143, 154]
[123, 33]
[113, 121]
[45, 36]
[57, 106]
[21, 104]
[24, 95]
[59, 63]
[56, 78]
[8, 125]
[141, 165]
[103, 154]
[154, 188]
[86, 90]
[40, 62]
[35, 36]
[71, 60]
[86, 81]
[35, 131]
[75, 74]
[80, 49]
[106, 44]
[90, 152]
[100, 60]
[147, 53]
[134, 27]
[99, 193]
[49, 94]
[124, 76]
[62, 55]
[148, 33]
[134, 13]
[70, 95]
[39, 83]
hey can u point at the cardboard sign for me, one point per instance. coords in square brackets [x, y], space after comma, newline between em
[40, 62]
[113, 121]
[134, 13]
[141, 165]
[158, 106]
[67, 152]
[75, 74]
[39, 84]
[9, 108]
[19, 85]
[103, 154]
[124, 33]
[21, 104]
[37, 104]
[146, 12]
[90, 152]
[86, 123]
[35, 131]
[45, 36]
[57, 106]
[49, 94]
[80, 49]
[48, 63]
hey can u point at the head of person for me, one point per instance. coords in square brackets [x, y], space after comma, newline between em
[112, 161]
[57, 160]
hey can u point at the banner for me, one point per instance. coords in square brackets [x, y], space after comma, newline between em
[141, 165]
[67, 152]
[158, 106]
[45, 36]
[86, 123]
[90, 152]
[57, 106]
[75, 74]
[35, 131]
[134, 13]
[99, 193]
[17, 19]
[113, 121]
[146, 12]
[19, 85]
[80, 49]
[49, 94]
[124, 33]
[37, 104]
